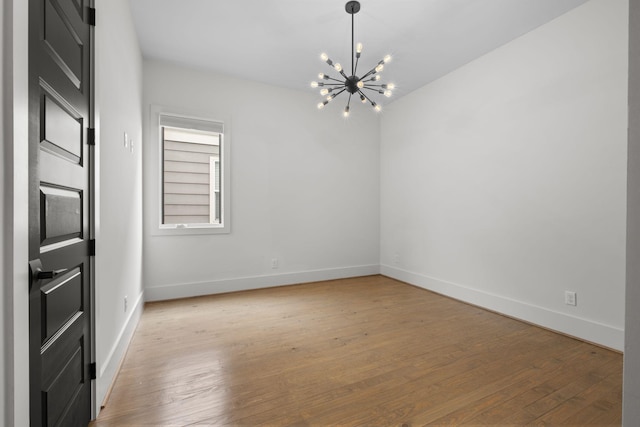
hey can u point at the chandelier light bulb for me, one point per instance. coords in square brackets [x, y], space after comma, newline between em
[389, 86]
[338, 67]
[387, 93]
[387, 59]
[360, 84]
[379, 68]
[324, 91]
[346, 111]
[363, 99]
[377, 107]
[321, 105]
[359, 48]
[324, 56]
[376, 78]
[314, 84]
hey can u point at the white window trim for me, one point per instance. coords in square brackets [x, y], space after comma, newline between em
[215, 189]
[155, 186]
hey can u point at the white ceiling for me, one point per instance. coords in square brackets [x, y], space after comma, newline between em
[279, 41]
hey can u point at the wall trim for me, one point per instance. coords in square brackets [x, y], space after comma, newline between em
[584, 329]
[109, 369]
[185, 290]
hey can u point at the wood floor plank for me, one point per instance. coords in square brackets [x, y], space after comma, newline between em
[589, 402]
[363, 351]
[547, 395]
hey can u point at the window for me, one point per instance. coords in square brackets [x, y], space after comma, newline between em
[191, 176]
[193, 183]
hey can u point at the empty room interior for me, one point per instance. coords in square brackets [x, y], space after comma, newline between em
[287, 227]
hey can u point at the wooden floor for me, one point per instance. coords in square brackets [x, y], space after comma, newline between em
[365, 351]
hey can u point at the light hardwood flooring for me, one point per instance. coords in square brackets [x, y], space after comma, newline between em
[364, 351]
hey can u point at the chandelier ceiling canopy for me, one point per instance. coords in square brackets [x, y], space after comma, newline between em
[363, 86]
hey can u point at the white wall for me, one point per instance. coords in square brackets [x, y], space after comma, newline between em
[504, 183]
[5, 136]
[304, 188]
[631, 396]
[118, 263]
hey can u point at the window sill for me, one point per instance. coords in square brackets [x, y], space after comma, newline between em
[191, 229]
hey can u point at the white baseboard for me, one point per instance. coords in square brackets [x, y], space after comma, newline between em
[108, 370]
[185, 290]
[584, 329]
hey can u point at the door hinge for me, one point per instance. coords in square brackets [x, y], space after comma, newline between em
[91, 136]
[93, 371]
[92, 247]
[92, 16]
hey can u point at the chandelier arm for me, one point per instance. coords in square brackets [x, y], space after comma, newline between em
[349, 100]
[370, 88]
[371, 72]
[335, 80]
[356, 67]
[338, 93]
[363, 94]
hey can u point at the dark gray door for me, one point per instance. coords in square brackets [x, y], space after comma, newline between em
[60, 295]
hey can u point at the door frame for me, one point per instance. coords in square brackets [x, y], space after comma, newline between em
[93, 191]
[16, 302]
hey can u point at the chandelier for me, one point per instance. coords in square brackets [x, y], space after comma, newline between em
[353, 85]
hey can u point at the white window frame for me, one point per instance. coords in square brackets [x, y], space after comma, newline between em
[214, 189]
[176, 117]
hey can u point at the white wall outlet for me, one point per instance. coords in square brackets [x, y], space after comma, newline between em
[570, 298]
[275, 263]
[126, 304]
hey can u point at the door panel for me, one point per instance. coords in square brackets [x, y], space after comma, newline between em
[62, 41]
[62, 130]
[61, 301]
[61, 214]
[60, 108]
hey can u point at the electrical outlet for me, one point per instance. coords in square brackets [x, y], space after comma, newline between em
[570, 298]
[275, 263]
[126, 304]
